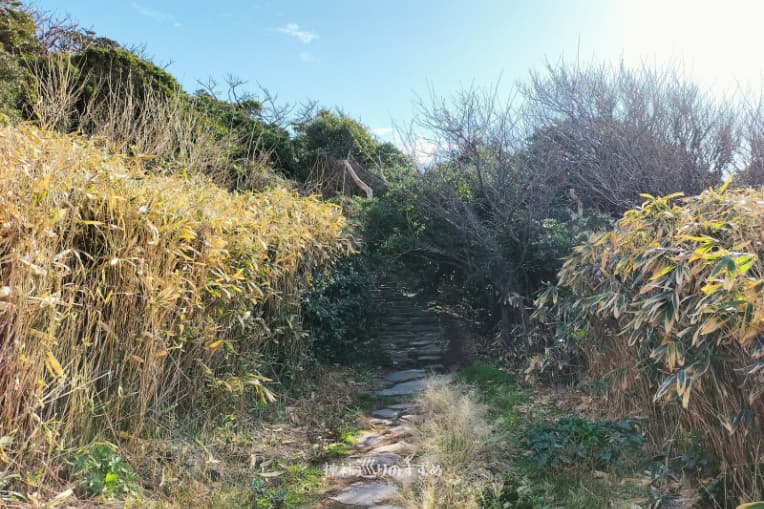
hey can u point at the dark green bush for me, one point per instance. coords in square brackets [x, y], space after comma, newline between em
[335, 136]
[18, 46]
[335, 310]
[391, 225]
[124, 71]
[572, 441]
[241, 123]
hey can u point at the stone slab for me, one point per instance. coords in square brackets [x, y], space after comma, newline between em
[375, 462]
[366, 494]
[405, 388]
[368, 438]
[385, 413]
[405, 375]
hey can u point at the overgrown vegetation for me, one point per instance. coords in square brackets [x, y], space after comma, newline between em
[458, 438]
[171, 261]
[572, 441]
[128, 296]
[669, 302]
[335, 310]
[490, 451]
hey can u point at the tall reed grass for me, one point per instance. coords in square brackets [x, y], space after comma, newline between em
[126, 296]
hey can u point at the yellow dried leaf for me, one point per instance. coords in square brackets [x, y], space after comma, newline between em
[214, 344]
[53, 365]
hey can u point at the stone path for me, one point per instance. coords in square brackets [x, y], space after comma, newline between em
[383, 459]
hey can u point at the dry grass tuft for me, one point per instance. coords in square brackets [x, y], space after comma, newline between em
[126, 296]
[456, 435]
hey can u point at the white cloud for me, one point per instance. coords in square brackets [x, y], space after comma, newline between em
[423, 151]
[161, 16]
[382, 132]
[293, 30]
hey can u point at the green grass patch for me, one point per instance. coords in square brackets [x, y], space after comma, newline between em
[295, 487]
[337, 450]
[348, 437]
[575, 442]
[330, 452]
[540, 450]
[535, 490]
[499, 390]
[292, 486]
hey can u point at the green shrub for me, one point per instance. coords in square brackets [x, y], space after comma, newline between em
[670, 312]
[239, 126]
[18, 45]
[572, 441]
[124, 71]
[335, 310]
[516, 492]
[335, 136]
[99, 470]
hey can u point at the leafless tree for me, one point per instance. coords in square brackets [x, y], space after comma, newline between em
[613, 132]
[486, 207]
[575, 141]
[751, 157]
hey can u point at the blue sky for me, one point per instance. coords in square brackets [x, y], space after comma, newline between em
[374, 58]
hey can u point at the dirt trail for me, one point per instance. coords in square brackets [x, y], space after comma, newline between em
[383, 459]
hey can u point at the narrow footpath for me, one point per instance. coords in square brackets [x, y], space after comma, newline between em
[383, 459]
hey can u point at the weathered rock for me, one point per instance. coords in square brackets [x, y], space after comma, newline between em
[366, 494]
[374, 421]
[400, 431]
[404, 406]
[399, 447]
[405, 375]
[368, 438]
[405, 388]
[385, 413]
[375, 462]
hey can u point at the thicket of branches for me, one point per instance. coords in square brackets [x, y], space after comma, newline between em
[518, 177]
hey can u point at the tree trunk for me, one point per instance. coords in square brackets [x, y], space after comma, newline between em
[356, 179]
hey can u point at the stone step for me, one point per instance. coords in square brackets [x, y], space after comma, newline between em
[405, 388]
[405, 376]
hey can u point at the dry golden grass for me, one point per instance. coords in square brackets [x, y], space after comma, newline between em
[456, 435]
[176, 470]
[126, 296]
